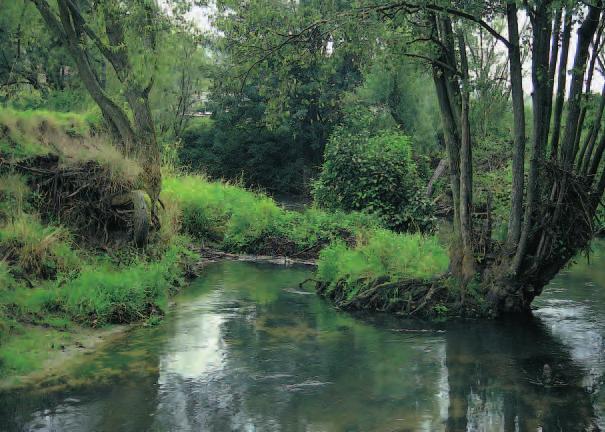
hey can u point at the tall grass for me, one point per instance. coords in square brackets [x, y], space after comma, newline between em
[71, 137]
[35, 249]
[383, 254]
[102, 294]
[239, 220]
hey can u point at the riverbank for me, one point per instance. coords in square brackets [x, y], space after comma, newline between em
[68, 269]
[252, 348]
[67, 264]
[56, 353]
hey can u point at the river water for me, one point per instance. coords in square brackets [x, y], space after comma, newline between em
[245, 349]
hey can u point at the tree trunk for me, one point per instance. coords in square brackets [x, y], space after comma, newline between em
[561, 84]
[516, 81]
[588, 147]
[540, 67]
[466, 172]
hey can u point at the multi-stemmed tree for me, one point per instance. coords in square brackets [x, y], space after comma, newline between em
[558, 178]
[555, 194]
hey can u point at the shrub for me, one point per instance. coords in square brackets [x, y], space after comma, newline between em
[374, 173]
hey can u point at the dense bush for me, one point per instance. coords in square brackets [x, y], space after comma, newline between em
[374, 172]
[256, 156]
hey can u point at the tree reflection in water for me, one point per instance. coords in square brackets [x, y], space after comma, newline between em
[245, 351]
[515, 375]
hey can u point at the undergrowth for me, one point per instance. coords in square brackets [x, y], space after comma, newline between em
[54, 279]
[236, 220]
[383, 255]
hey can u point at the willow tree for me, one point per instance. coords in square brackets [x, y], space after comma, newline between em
[553, 199]
[557, 178]
[107, 29]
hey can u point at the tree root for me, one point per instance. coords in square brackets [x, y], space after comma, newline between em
[411, 297]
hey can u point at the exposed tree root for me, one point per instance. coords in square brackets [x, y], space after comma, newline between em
[411, 297]
[87, 197]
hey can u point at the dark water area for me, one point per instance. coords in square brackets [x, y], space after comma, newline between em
[245, 349]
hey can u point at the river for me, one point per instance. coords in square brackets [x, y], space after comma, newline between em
[245, 349]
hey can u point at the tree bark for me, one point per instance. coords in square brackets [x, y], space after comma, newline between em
[516, 80]
[540, 66]
[466, 171]
[588, 147]
[552, 68]
[561, 84]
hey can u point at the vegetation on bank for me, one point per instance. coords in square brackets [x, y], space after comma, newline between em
[56, 272]
[375, 172]
[383, 254]
[353, 250]
[233, 219]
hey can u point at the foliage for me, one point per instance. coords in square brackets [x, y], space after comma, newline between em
[238, 220]
[373, 172]
[401, 90]
[383, 255]
[272, 116]
[101, 294]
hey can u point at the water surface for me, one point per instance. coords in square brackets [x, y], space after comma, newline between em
[245, 349]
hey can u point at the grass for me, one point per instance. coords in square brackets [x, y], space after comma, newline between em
[72, 137]
[102, 294]
[35, 249]
[53, 285]
[350, 246]
[383, 254]
[238, 220]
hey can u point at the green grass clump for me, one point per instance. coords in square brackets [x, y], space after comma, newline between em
[221, 212]
[383, 254]
[239, 220]
[102, 294]
[35, 249]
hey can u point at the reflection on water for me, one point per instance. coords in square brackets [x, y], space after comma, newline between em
[245, 350]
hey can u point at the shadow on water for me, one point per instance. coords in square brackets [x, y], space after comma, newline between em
[246, 350]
